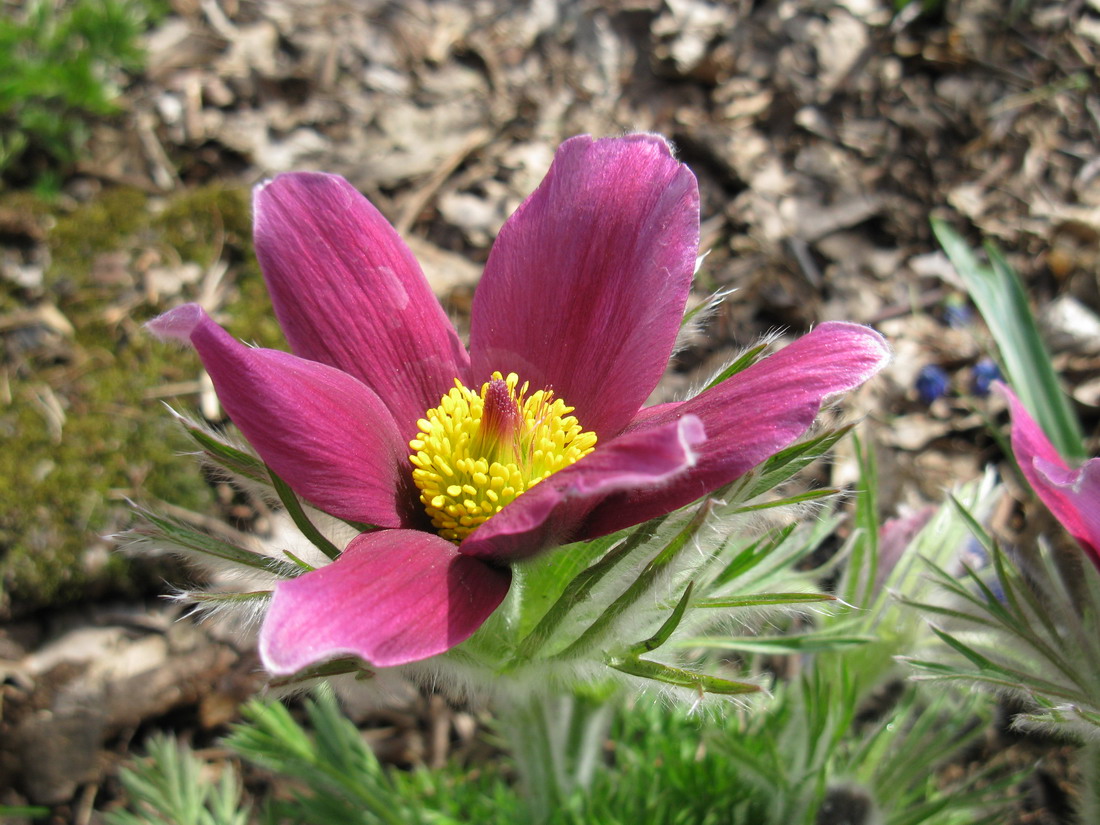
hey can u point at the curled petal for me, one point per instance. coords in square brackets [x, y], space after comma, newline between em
[752, 415]
[349, 293]
[585, 286]
[554, 510]
[1072, 495]
[328, 436]
[392, 597]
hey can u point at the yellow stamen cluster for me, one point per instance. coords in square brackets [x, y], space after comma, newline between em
[476, 452]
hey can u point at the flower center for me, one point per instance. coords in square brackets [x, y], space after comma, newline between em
[476, 452]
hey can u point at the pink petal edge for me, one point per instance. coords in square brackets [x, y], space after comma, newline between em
[393, 597]
[598, 260]
[349, 293]
[1072, 495]
[752, 416]
[1081, 489]
[328, 436]
[553, 512]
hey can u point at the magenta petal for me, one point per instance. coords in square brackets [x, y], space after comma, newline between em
[328, 436]
[1073, 496]
[585, 286]
[1081, 491]
[349, 293]
[393, 597]
[753, 415]
[554, 510]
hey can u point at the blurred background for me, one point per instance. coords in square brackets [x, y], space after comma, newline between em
[824, 134]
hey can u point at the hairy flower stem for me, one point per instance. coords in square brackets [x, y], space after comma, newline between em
[1088, 761]
[579, 590]
[556, 741]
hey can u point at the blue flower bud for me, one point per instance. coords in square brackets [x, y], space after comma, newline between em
[982, 376]
[932, 383]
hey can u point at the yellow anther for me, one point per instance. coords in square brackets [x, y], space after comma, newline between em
[477, 451]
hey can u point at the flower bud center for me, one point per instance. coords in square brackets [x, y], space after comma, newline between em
[477, 452]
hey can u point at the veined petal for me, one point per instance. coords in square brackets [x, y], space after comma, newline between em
[1072, 495]
[328, 436]
[392, 597]
[585, 286]
[349, 293]
[554, 510]
[753, 415]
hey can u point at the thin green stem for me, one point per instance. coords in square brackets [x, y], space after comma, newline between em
[301, 520]
[1088, 760]
[556, 742]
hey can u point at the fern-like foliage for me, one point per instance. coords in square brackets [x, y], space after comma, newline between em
[172, 786]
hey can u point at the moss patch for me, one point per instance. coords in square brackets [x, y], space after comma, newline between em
[81, 412]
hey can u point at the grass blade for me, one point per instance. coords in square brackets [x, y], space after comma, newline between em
[999, 294]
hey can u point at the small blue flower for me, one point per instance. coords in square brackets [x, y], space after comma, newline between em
[932, 383]
[982, 376]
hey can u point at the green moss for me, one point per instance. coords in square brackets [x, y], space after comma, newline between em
[201, 225]
[68, 479]
[64, 479]
[101, 226]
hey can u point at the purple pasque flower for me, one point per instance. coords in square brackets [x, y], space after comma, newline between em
[1072, 495]
[534, 437]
